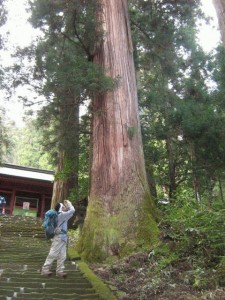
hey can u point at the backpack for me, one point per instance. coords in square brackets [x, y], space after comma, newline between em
[50, 223]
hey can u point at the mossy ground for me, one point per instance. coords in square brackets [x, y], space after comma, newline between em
[142, 276]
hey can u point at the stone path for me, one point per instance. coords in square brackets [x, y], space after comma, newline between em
[23, 249]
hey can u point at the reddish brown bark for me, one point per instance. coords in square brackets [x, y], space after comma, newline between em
[117, 145]
[118, 179]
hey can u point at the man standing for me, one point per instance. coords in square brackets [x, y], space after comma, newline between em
[58, 250]
[2, 204]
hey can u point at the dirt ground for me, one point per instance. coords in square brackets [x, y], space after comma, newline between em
[137, 278]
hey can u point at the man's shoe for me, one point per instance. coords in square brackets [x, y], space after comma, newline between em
[61, 274]
[46, 273]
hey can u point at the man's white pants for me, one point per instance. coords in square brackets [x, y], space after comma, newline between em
[57, 252]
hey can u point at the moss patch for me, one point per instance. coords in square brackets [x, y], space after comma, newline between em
[98, 285]
[127, 229]
[147, 228]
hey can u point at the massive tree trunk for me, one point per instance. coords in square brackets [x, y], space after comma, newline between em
[220, 10]
[119, 217]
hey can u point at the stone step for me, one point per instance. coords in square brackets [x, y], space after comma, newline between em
[50, 290]
[49, 281]
[15, 234]
[17, 284]
[36, 296]
[30, 283]
[8, 276]
[23, 250]
[72, 296]
[36, 274]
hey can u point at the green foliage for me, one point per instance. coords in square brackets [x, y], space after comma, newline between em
[67, 170]
[131, 132]
[195, 236]
[84, 156]
[169, 260]
[28, 150]
[181, 119]
[74, 31]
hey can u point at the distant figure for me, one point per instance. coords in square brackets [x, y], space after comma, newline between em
[2, 204]
[58, 250]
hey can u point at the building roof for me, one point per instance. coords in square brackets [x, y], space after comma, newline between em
[24, 172]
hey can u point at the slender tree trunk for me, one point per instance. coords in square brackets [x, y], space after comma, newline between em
[119, 216]
[151, 182]
[211, 186]
[60, 189]
[221, 190]
[172, 169]
[169, 149]
[66, 179]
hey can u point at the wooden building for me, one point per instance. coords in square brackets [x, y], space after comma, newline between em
[27, 191]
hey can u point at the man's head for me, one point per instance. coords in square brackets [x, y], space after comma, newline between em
[60, 207]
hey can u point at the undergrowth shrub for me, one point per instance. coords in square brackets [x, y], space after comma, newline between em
[196, 235]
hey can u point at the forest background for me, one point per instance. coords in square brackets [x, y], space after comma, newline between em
[181, 108]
